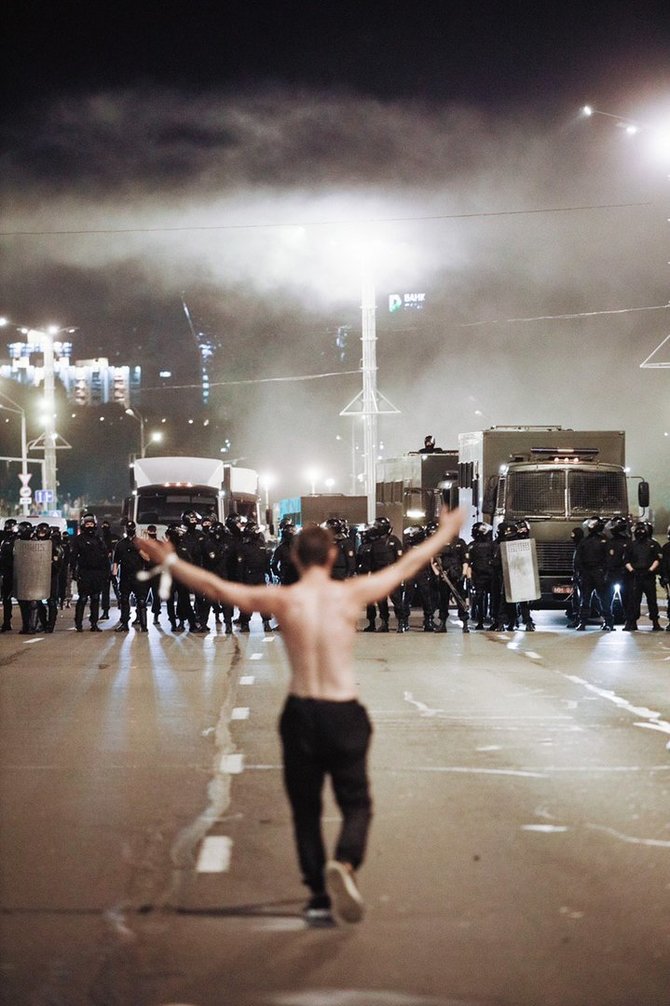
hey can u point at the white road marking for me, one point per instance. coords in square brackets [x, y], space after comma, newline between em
[247, 679]
[421, 706]
[256, 656]
[658, 843]
[547, 829]
[233, 764]
[214, 855]
[646, 714]
[240, 713]
[38, 639]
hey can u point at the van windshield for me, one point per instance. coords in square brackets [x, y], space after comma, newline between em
[165, 506]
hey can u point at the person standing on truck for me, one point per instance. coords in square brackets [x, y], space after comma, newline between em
[643, 558]
[591, 563]
[324, 728]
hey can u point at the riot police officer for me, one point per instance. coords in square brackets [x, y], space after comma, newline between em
[591, 563]
[449, 567]
[7, 572]
[479, 570]
[379, 548]
[252, 566]
[128, 561]
[664, 575]
[345, 563]
[616, 574]
[90, 566]
[47, 613]
[503, 612]
[218, 556]
[192, 540]
[575, 599]
[282, 566]
[643, 557]
[421, 587]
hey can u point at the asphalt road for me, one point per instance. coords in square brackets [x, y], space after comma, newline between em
[519, 853]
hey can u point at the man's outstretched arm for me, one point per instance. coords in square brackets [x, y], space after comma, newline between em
[368, 589]
[248, 598]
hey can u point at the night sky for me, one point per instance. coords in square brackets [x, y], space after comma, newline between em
[239, 157]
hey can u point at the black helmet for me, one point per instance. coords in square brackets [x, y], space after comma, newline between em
[10, 524]
[43, 530]
[480, 530]
[618, 526]
[190, 518]
[55, 533]
[218, 530]
[337, 525]
[507, 530]
[152, 530]
[24, 529]
[432, 526]
[414, 534]
[382, 526]
[174, 532]
[577, 534]
[130, 528]
[523, 529]
[286, 527]
[641, 530]
[593, 525]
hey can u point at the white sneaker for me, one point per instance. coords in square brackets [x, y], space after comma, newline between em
[346, 897]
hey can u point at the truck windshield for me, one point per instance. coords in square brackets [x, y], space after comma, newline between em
[597, 492]
[536, 493]
[165, 506]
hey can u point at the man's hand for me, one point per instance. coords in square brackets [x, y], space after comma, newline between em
[155, 550]
[450, 523]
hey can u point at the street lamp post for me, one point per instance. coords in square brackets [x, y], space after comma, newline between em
[25, 499]
[141, 420]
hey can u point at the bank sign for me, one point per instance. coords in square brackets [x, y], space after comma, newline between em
[406, 302]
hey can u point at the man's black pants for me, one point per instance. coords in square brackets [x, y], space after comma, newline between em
[321, 738]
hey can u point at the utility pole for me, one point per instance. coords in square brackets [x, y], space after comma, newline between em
[369, 402]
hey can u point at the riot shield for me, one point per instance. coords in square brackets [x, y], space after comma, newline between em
[32, 570]
[520, 573]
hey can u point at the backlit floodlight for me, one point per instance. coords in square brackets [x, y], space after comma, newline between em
[587, 111]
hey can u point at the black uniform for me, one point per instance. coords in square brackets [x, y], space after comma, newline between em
[379, 549]
[591, 564]
[616, 575]
[451, 562]
[130, 562]
[643, 557]
[664, 574]
[422, 588]
[218, 556]
[90, 565]
[252, 566]
[479, 557]
[7, 573]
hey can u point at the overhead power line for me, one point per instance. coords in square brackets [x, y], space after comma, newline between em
[270, 225]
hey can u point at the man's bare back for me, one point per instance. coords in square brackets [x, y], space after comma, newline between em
[317, 615]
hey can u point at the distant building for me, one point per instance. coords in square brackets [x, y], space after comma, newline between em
[86, 382]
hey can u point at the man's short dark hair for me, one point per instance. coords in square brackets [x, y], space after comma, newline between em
[312, 545]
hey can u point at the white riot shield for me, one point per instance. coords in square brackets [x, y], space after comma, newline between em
[519, 562]
[32, 570]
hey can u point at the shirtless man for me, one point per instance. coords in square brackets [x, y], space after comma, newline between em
[324, 729]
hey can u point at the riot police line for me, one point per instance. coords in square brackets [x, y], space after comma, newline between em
[616, 565]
